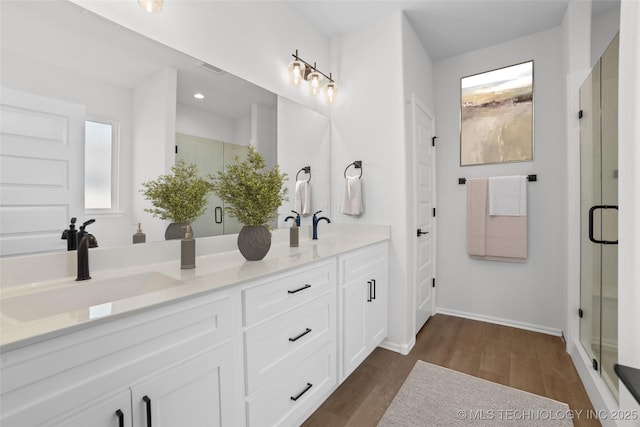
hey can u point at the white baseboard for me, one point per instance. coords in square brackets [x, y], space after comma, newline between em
[403, 349]
[500, 321]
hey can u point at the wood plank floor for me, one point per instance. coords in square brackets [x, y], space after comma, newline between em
[529, 361]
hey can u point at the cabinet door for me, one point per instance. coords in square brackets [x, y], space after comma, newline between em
[355, 296]
[193, 393]
[111, 411]
[377, 309]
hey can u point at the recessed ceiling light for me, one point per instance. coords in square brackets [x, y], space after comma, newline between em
[198, 95]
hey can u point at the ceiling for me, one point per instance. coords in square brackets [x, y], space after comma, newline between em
[446, 27]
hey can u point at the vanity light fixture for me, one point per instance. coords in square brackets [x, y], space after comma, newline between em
[151, 6]
[198, 95]
[299, 70]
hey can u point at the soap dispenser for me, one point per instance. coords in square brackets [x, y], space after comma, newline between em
[139, 236]
[188, 250]
[294, 233]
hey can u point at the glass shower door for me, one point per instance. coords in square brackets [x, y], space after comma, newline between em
[598, 208]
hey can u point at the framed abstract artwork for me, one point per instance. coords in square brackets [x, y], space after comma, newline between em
[496, 116]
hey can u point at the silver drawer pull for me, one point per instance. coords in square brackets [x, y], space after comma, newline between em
[307, 286]
[307, 330]
[306, 389]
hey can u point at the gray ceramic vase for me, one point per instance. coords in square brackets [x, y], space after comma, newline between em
[175, 231]
[254, 242]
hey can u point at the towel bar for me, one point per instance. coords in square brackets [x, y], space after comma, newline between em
[357, 164]
[307, 170]
[530, 178]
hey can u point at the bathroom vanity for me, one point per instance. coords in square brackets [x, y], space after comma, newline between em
[229, 343]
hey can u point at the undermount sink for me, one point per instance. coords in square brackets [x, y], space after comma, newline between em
[92, 295]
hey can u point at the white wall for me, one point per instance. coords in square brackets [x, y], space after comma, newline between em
[154, 135]
[304, 139]
[604, 26]
[629, 195]
[368, 125]
[192, 121]
[532, 294]
[252, 39]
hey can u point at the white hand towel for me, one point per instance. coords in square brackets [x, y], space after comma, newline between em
[508, 196]
[302, 198]
[352, 200]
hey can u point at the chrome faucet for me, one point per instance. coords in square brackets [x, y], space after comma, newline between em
[316, 220]
[296, 219]
[85, 241]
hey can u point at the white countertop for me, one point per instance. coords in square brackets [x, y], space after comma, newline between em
[212, 272]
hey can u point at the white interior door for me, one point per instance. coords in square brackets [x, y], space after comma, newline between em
[424, 180]
[42, 171]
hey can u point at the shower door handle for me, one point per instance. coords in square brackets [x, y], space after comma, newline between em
[218, 214]
[591, 212]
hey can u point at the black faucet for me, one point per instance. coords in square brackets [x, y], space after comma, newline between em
[70, 235]
[85, 241]
[316, 220]
[297, 218]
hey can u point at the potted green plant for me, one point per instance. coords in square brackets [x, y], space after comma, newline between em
[252, 193]
[180, 197]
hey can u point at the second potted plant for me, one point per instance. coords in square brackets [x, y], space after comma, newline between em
[252, 193]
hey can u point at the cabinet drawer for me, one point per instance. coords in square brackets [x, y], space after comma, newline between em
[286, 291]
[362, 262]
[273, 346]
[290, 399]
[82, 354]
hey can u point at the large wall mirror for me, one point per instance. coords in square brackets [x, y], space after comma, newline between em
[63, 66]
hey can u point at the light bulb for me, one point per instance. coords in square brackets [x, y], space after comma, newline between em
[151, 5]
[296, 73]
[330, 92]
[315, 80]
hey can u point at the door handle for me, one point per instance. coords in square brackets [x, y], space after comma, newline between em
[591, 212]
[420, 232]
[218, 215]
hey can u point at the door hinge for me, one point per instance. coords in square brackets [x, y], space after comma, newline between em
[176, 149]
[433, 282]
[434, 212]
[433, 141]
[595, 364]
[580, 114]
[580, 313]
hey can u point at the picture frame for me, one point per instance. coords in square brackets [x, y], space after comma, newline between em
[496, 116]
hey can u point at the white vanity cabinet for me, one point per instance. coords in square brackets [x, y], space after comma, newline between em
[363, 282]
[264, 348]
[176, 364]
[290, 329]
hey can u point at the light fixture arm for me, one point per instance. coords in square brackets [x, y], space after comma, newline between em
[330, 76]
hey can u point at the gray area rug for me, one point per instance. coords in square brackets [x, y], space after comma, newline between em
[436, 396]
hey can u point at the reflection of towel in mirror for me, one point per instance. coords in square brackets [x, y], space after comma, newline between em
[302, 198]
[352, 201]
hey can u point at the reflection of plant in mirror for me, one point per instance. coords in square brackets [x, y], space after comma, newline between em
[180, 197]
[252, 192]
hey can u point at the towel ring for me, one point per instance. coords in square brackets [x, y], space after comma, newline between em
[307, 170]
[357, 164]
